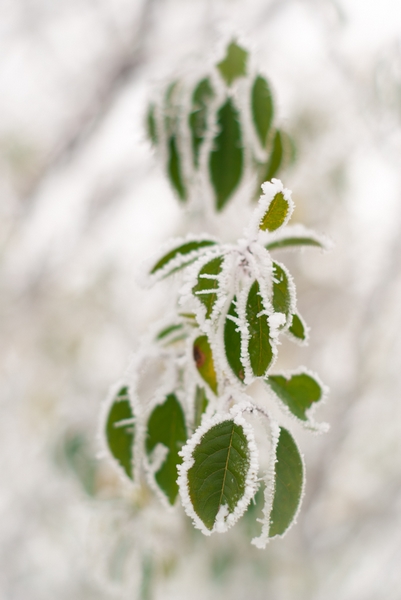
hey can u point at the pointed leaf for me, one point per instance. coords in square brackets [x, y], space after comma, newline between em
[217, 478]
[297, 328]
[207, 287]
[262, 108]
[234, 64]
[289, 480]
[298, 392]
[227, 156]
[276, 214]
[201, 97]
[151, 125]
[191, 250]
[201, 404]
[203, 358]
[232, 342]
[259, 346]
[166, 426]
[174, 168]
[120, 431]
[282, 301]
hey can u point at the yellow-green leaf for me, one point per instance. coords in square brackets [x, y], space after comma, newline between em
[276, 213]
[203, 358]
[234, 63]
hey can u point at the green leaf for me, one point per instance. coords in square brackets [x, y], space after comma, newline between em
[227, 156]
[171, 109]
[208, 280]
[181, 251]
[201, 404]
[297, 328]
[272, 166]
[232, 342]
[174, 168]
[166, 426]
[218, 475]
[276, 213]
[290, 241]
[120, 431]
[203, 358]
[80, 457]
[234, 64]
[259, 346]
[151, 124]
[262, 108]
[167, 330]
[281, 291]
[298, 392]
[201, 97]
[289, 476]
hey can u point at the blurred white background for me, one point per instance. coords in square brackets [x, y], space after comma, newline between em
[83, 202]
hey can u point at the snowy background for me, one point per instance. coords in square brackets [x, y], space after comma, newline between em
[83, 202]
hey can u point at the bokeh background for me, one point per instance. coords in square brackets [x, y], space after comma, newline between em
[83, 201]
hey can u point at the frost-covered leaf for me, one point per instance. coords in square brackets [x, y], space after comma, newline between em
[276, 213]
[232, 341]
[262, 107]
[201, 97]
[203, 358]
[200, 405]
[259, 345]
[287, 242]
[298, 329]
[168, 330]
[282, 300]
[289, 482]
[181, 256]
[227, 155]
[217, 479]
[151, 124]
[166, 426]
[298, 392]
[206, 289]
[234, 63]
[272, 167]
[174, 168]
[120, 431]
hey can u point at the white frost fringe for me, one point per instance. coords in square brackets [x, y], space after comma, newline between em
[270, 189]
[224, 519]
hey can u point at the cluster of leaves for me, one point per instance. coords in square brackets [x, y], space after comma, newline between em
[189, 425]
[218, 132]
